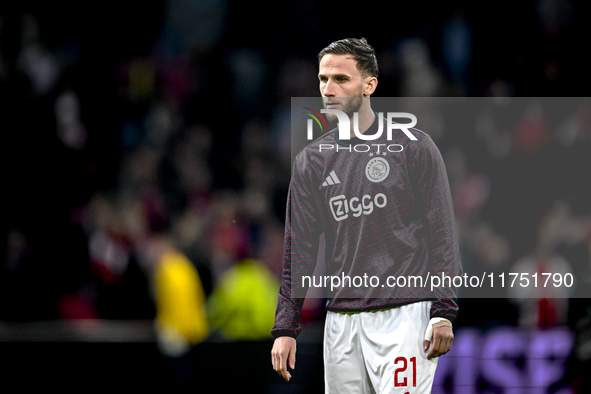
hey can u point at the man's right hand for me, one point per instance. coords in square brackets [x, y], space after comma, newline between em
[284, 349]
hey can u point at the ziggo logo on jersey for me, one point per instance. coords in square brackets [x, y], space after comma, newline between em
[340, 206]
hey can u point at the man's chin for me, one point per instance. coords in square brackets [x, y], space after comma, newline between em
[348, 108]
[332, 118]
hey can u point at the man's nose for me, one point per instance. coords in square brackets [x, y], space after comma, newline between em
[327, 91]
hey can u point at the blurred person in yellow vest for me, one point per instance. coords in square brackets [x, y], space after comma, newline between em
[242, 306]
[181, 316]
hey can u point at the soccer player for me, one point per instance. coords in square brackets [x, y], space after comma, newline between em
[385, 213]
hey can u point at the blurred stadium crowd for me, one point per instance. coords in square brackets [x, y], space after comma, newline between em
[134, 126]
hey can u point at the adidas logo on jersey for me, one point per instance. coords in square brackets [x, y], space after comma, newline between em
[331, 179]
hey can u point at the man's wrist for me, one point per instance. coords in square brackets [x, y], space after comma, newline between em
[436, 322]
[284, 333]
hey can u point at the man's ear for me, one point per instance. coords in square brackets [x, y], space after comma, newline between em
[369, 86]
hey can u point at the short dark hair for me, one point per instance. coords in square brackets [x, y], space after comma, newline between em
[361, 51]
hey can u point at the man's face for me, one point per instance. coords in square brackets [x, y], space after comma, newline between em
[341, 84]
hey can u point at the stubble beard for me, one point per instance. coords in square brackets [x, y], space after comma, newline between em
[352, 105]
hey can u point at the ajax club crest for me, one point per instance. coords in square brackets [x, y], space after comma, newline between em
[377, 169]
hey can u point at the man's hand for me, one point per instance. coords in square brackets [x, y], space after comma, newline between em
[443, 337]
[284, 349]
[439, 331]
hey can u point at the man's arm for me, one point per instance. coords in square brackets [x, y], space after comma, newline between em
[302, 231]
[444, 257]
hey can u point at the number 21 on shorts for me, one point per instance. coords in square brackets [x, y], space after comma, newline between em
[402, 365]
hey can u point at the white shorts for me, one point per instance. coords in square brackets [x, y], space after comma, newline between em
[378, 352]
